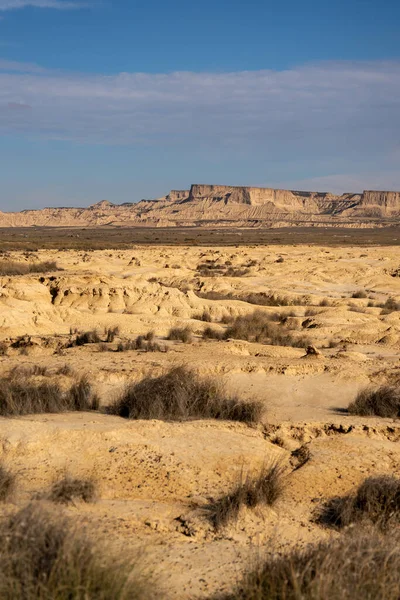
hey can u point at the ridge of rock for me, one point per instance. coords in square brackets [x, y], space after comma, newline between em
[221, 206]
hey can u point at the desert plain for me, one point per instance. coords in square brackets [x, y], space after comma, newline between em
[336, 309]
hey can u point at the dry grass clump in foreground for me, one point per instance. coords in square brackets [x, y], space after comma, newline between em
[8, 267]
[42, 558]
[68, 489]
[25, 396]
[182, 394]
[377, 499]
[264, 488]
[258, 327]
[7, 483]
[381, 402]
[360, 566]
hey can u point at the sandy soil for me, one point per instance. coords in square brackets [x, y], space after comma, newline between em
[155, 478]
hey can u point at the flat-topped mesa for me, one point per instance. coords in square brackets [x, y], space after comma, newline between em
[276, 199]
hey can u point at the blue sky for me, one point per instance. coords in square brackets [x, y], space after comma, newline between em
[126, 99]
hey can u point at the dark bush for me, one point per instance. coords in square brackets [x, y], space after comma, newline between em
[204, 316]
[181, 394]
[265, 488]
[377, 499]
[68, 489]
[87, 337]
[359, 294]
[381, 402]
[262, 328]
[362, 566]
[111, 333]
[184, 335]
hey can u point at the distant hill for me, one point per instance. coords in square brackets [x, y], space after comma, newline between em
[225, 206]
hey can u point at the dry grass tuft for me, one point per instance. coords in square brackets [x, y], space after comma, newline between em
[9, 267]
[24, 397]
[360, 566]
[111, 333]
[184, 335]
[359, 294]
[265, 488]
[69, 489]
[87, 337]
[42, 558]
[181, 394]
[381, 402]
[7, 483]
[204, 316]
[377, 499]
[259, 327]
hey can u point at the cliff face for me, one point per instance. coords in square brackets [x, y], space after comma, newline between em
[218, 206]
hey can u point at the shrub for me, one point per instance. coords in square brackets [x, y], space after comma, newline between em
[360, 566]
[381, 402]
[87, 337]
[68, 489]
[264, 488]
[213, 334]
[24, 397]
[389, 306]
[184, 334]
[145, 343]
[259, 327]
[65, 370]
[181, 394]
[15, 268]
[204, 316]
[43, 557]
[377, 499]
[7, 483]
[111, 333]
[359, 294]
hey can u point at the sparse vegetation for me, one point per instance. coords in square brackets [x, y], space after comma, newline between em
[9, 267]
[7, 483]
[264, 488]
[359, 294]
[383, 401]
[360, 566]
[204, 316]
[258, 327]
[143, 343]
[391, 305]
[43, 557]
[181, 334]
[87, 337]
[111, 333]
[181, 394]
[377, 499]
[212, 269]
[69, 489]
[24, 396]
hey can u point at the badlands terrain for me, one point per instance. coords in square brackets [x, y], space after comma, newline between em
[336, 317]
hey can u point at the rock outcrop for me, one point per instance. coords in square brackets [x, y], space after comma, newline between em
[222, 206]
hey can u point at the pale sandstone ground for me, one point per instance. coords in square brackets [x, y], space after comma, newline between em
[154, 477]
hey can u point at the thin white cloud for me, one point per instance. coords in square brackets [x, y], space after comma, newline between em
[56, 4]
[341, 117]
